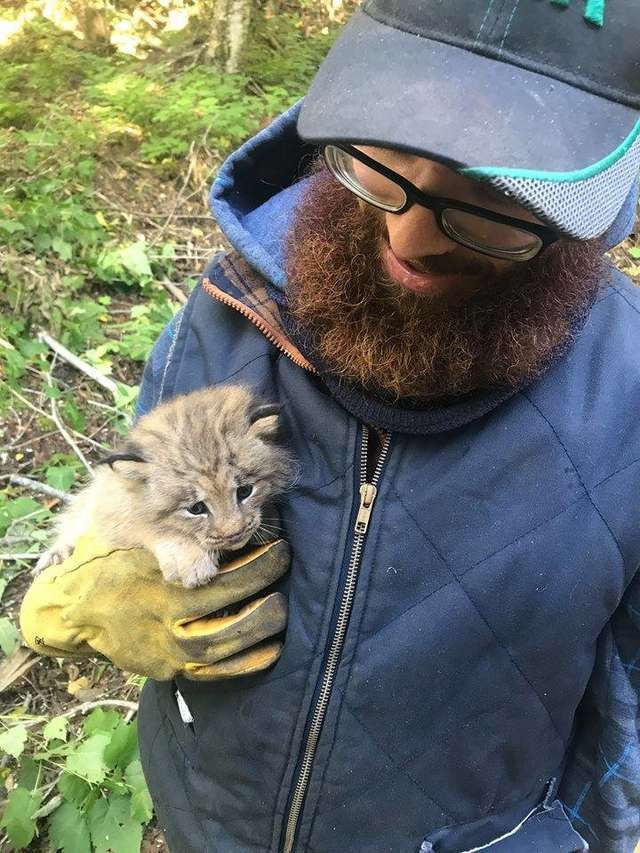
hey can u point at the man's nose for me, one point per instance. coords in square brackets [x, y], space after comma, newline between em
[415, 234]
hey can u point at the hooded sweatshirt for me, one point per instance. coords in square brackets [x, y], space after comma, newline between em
[461, 666]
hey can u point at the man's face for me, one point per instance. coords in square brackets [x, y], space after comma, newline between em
[422, 258]
[390, 302]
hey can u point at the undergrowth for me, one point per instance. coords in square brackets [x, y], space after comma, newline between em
[104, 164]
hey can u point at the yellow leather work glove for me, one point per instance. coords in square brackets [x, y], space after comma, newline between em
[116, 603]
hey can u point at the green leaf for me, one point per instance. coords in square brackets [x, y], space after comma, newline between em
[10, 226]
[134, 259]
[87, 761]
[100, 720]
[112, 827]
[73, 789]
[18, 816]
[15, 509]
[13, 740]
[125, 395]
[61, 477]
[62, 248]
[52, 392]
[634, 251]
[42, 242]
[30, 348]
[141, 805]
[74, 415]
[69, 830]
[3, 586]
[9, 636]
[123, 746]
[56, 729]
[28, 772]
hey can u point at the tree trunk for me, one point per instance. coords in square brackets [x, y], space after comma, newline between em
[86, 18]
[230, 22]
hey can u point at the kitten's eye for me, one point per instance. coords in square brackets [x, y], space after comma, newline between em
[243, 492]
[198, 508]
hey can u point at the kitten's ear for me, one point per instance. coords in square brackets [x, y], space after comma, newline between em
[129, 462]
[264, 421]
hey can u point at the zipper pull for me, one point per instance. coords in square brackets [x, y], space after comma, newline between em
[185, 712]
[368, 494]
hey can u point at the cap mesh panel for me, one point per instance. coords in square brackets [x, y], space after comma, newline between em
[580, 209]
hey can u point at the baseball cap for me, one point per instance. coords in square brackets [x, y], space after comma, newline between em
[541, 98]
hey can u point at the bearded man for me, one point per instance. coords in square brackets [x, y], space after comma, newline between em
[418, 277]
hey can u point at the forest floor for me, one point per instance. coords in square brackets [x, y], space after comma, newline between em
[104, 228]
[104, 202]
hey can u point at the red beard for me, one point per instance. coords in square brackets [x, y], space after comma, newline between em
[366, 328]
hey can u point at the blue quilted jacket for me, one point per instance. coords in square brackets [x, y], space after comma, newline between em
[462, 658]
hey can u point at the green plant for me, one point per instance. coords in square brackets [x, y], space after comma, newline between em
[81, 786]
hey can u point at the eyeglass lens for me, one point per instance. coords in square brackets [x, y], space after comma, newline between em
[467, 228]
[364, 181]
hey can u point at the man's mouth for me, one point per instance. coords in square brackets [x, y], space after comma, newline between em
[413, 276]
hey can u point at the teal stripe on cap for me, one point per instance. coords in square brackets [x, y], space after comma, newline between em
[594, 13]
[565, 177]
[594, 10]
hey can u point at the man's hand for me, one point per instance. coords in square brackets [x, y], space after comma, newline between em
[116, 603]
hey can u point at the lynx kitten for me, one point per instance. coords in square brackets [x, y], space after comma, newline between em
[191, 480]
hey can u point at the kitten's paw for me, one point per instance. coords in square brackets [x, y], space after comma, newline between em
[199, 573]
[55, 555]
[190, 575]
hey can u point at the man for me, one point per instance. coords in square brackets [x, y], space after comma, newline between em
[457, 365]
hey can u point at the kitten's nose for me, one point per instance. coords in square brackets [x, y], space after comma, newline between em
[229, 531]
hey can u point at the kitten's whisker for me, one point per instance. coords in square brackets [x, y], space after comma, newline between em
[265, 528]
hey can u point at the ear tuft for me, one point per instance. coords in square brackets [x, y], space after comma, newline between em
[264, 421]
[131, 458]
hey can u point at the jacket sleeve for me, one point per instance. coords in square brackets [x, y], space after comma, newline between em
[155, 370]
[601, 783]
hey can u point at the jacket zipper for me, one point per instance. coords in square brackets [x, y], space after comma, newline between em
[368, 492]
[274, 337]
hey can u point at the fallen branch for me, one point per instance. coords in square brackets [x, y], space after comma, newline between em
[175, 291]
[38, 487]
[179, 197]
[99, 703]
[15, 666]
[32, 440]
[78, 363]
[44, 414]
[84, 708]
[48, 807]
[13, 540]
[25, 556]
[67, 437]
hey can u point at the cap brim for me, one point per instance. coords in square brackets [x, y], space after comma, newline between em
[383, 86]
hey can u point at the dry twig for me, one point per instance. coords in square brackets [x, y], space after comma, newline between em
[175, 291]
[100, 703]
[78, 363]
[67, 437]
[49, 417]
[38, 487]
[22, 556]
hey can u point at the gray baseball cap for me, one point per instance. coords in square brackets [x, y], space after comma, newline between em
[539, 98]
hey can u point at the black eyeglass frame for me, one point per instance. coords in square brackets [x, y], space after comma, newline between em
[438, 204]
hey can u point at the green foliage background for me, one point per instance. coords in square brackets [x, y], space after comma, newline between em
[104, 163]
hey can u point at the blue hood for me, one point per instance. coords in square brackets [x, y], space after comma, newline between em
[256, 190]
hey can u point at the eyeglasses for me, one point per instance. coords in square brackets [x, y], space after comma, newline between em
[477, 228]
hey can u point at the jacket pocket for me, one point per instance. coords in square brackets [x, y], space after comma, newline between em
[544, 829]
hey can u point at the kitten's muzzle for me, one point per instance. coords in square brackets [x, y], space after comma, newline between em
[235, 540]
